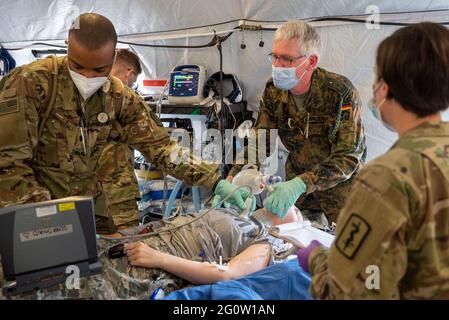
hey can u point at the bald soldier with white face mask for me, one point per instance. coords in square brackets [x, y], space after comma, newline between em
[59, 118]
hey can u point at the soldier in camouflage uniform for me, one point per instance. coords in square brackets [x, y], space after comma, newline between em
[127, 67]
[318, 117]
[392, 238]
[117, 178]
[221, 233]
[119, 184]
[54, 131]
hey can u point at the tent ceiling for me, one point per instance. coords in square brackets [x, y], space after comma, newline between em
[348, 48]
[25, 20]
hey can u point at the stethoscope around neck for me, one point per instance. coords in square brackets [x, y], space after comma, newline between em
[103, 116]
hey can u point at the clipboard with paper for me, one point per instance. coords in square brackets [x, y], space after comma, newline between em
[301, 234]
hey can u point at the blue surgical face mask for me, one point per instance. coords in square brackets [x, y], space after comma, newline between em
[285, 78]
[375, 109]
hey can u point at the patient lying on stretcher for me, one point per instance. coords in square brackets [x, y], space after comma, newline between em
[218, 246]
[244, 245]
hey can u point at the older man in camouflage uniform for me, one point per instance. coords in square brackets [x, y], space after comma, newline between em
[58, 118]
[392, 238]
[318, 117]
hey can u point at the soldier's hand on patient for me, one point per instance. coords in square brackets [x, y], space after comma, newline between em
[284, 195]
[225, 188]
[141, 255]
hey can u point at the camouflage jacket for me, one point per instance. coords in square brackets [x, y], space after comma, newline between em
[57, 165]
[392, 238]
[324, 136]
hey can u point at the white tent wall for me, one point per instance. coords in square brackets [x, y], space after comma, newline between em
[348, 48]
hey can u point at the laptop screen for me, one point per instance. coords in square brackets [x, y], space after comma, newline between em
[45, 235]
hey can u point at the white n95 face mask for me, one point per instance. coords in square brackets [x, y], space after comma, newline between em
[87, 86]
[285, 78]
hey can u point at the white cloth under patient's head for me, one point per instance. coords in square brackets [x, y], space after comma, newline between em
[270, 219]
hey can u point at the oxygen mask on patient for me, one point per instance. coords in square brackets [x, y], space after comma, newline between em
[255, 182]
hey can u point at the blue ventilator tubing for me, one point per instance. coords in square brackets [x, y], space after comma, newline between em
[172, 198]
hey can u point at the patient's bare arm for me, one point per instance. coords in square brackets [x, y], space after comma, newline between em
[252, 259]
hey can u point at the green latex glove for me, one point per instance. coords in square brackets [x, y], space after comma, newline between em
[226, 204]
[223, 189]
[284, 195]
[216, 201]
[253, 207]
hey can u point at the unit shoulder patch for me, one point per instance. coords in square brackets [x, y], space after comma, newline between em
[353, 235]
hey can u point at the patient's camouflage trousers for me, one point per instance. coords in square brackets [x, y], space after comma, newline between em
[118, 279]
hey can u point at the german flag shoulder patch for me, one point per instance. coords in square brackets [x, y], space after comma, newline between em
[346, 107]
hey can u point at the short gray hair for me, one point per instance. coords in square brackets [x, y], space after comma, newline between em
[308, 39]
